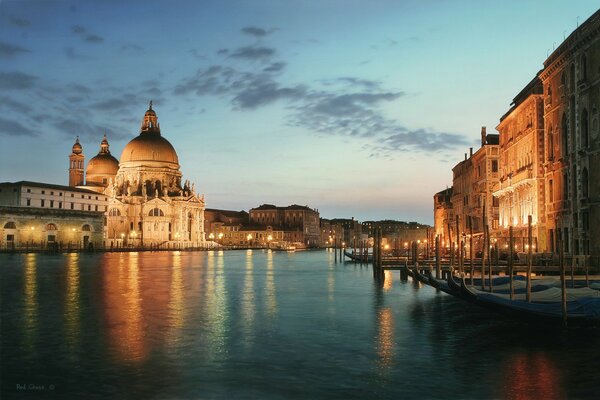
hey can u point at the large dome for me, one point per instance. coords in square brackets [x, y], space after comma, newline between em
[149, 145]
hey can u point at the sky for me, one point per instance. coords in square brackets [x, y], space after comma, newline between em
[356, 108]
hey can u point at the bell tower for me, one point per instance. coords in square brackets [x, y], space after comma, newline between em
[76, 159]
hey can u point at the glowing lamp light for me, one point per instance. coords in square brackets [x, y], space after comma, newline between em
[211, 236]
[32, 228]
[387, 246]
[269, 238]
[220, 235]
[249, 237]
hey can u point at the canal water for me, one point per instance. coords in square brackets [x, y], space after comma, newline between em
[265, 325]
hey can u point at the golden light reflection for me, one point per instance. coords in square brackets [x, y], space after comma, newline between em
[330, 283]
[72, 300]
[385, 337]
[123, 309]
[248, 306]
[532, 376]
[270, 286]
[176, 316]
[387, 280]
[30, 288]
[216, 304]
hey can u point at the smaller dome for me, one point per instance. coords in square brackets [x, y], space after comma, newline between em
[102, 167]
[77, 149]
[102, 164]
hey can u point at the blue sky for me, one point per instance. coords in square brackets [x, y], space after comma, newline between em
[357, 108]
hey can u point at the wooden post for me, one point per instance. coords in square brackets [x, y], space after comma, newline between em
[437, 256]
[530, 258]
[335, 248]
[561, 261]
[483, 247]
[510, 262]
[471, 248]
[487, 247]
[451, 245]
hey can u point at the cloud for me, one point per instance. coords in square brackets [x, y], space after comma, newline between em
[253, 53]
[85, 35]
[94, 39]
[222, 51]
[77, 29]
[423, 140]
[14, 128]
[256, 31]
[20, 22]
[16, 80]
[131, 48]
[8, 50]
[275, 67]
[353, 81]
[12, 104]
[74, 55]
[262, 91]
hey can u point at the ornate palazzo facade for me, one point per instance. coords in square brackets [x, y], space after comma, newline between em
[149, 205]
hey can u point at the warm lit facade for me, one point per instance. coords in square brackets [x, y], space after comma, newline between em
[443, 215]
[40, 215]
[300, 223]
[520, 190]
[148, 203]
[472, 187]
[571, 82]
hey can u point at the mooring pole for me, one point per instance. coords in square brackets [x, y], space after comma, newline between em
[437, 256]
[471, 248]
[335, 248]
[488, 248]
[561, 261]
[530, 258]
[510, 261]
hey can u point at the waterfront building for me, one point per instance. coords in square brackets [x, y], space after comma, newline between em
[219, 224]
[300, 223]
[36, 215]
[520, 189]
[443, 215]
[472, 185]
[399, 234]
[330, 232]
[571, 82]
[351, 229]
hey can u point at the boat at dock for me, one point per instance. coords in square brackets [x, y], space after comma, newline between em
[359, 257]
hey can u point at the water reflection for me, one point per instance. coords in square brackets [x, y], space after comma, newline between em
[385, 337]
[123, 309]
[216, 305]
[72, 312]
[387, 280]
[30, 307]
[270, 286]
[176, 307]
[248, 305]
[530, 376]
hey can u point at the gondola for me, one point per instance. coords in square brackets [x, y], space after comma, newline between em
[358, 257]
[583, 311]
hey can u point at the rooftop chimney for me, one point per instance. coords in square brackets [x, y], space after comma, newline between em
[483, 135]
[465, 156]
[470, 152]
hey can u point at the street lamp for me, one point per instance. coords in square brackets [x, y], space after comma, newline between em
[269, 238]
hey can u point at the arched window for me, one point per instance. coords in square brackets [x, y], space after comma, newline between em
[156, 212]
[564, 135]
[583, 67]
[572, 77]
[584, 129]
[86, 228]
[584, 183]
[114, 212]
[51, 227]
[10, 225]
[550, 144]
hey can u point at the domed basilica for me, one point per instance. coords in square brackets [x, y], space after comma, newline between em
[149, 205]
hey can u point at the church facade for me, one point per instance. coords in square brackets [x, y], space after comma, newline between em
[149, 203]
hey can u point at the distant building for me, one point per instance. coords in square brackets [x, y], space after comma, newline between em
[472, 188]
[39, 215]
[351, 229]
[300, 224]
[399, 234]
[443, 215]
[220, 224]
